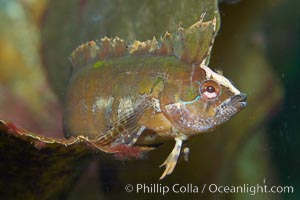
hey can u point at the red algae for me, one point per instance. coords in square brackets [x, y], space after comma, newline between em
[39, 144]
[12, 127]
[124, 152]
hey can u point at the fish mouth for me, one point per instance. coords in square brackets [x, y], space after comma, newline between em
[238, 100]
[230, 107]
[233, 104]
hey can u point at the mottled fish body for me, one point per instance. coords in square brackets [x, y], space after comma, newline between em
[147, 92]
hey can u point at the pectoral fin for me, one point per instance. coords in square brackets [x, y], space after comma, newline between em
[126, 129]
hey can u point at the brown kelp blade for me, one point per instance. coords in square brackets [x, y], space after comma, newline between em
[36, 167]
[30, 164]
[191, 45]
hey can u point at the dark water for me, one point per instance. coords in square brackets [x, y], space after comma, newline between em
[283, 46]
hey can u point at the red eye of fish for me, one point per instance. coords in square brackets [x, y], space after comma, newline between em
[209, 89]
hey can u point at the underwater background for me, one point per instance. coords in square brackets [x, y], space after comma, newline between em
[257, 47]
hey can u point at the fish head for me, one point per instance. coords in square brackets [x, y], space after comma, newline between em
[205, 100]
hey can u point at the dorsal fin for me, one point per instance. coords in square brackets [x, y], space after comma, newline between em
[191, 45]
[97, 50]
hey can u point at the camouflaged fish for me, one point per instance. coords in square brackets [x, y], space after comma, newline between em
[145, 93]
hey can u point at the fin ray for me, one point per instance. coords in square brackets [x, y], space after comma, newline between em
[125, 128]
[191, 45]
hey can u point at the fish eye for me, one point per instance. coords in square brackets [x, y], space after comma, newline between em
[209, 89]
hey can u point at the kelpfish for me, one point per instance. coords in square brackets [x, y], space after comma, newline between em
[142, 94]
